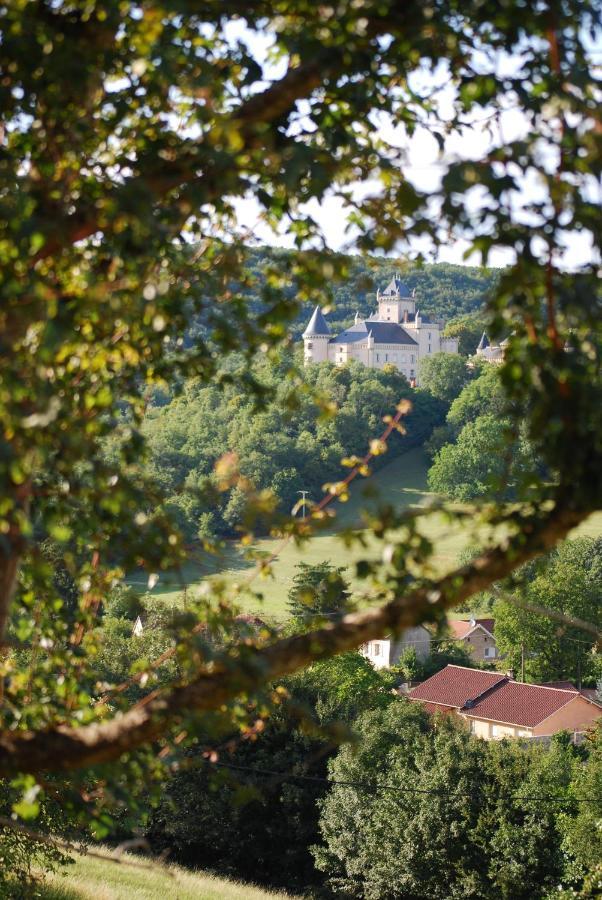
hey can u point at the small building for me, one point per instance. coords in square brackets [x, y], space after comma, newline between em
[397, 334]
[495, 706]
[477, 636]
[387, 652]
[491, 353]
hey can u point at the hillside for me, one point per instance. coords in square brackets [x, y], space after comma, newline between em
[443, 290]
[402, 482]
[90, 878]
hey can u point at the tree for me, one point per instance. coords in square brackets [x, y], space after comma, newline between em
[568, 581]
[129, 135]
[581, 831]
[468, 330]
[443, 375]
[487, 460]
[318, 591]
[421, 808]
[251, 824]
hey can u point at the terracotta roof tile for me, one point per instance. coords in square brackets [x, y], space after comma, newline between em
[520, 704]
[462, 627]
[455, 685]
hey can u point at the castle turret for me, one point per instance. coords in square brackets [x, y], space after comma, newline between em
[315, 338]
[483, 344]
[395, 301]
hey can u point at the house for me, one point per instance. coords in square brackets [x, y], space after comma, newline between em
[477, 636]
[386, 652]
[397, 334]
[495, 706]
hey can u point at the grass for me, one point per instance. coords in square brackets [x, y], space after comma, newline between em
[402, 483]
[91, 878]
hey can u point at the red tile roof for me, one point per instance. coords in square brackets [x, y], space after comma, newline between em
[562, 685]
[455, 685]
[462, 627]
[516, 703]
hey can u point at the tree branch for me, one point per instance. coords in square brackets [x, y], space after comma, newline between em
[67, 748]
[260, 109]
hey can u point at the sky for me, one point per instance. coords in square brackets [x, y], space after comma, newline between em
[424, 168]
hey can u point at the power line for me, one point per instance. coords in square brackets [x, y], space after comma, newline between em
[377, 786]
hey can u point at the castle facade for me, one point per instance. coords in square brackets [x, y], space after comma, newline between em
[397, 334]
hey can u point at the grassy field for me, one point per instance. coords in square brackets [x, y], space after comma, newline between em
[402, 483]
[91, 878]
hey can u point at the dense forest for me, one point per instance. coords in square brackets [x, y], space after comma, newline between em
[288, 445]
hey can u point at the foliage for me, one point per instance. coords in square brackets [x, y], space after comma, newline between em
[443, 653]
[423, 809]
[488, 460]
[467, 329]
[285, 448]
[569, 581]
[317, 592]
[23, 855]
[260, 827]
[582, 831]
[443, 375]
[130, 135]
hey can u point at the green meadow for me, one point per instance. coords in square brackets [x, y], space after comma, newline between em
[402, 483]
[133, 878]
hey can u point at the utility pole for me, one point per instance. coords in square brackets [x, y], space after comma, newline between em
[303, 501]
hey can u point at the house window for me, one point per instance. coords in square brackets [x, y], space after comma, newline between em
[495, 731]
[473, 726]
[489, 653]
[376, 647]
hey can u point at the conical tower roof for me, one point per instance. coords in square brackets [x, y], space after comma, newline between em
[484, 342]
[317, 324]
[397, 287]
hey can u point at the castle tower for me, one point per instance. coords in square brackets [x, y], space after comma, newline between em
[396, 302]
[315, 338]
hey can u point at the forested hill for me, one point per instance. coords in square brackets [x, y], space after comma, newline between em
[442, 290]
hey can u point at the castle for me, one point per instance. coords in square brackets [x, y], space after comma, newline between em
[397, 334]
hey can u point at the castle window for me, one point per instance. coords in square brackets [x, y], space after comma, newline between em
[386, 357]
[378, 357]
[429, 348]
[310, 346]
